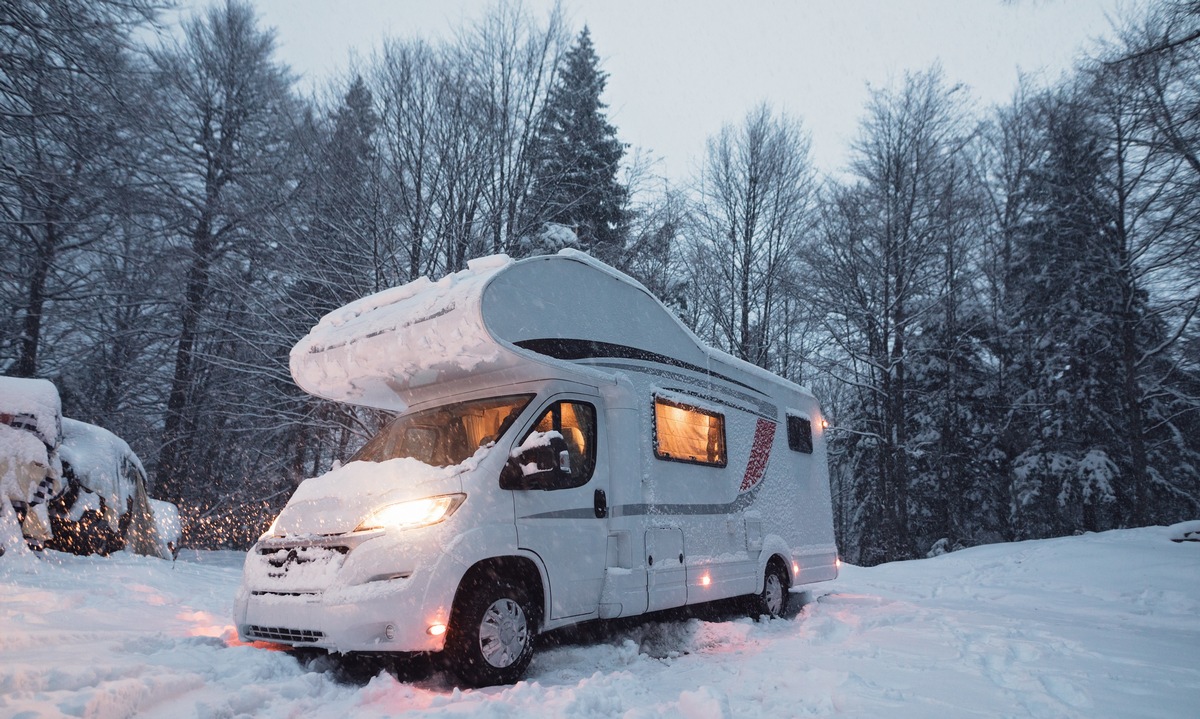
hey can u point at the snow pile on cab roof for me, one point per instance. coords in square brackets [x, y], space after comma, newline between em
[370, 351]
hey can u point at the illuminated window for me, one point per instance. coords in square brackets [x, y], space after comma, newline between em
[446, 435]
[684, 433]
[799, 432]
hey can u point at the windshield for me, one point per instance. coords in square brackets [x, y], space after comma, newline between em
[446, 435]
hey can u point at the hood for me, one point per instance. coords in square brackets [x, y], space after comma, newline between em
[338, 501]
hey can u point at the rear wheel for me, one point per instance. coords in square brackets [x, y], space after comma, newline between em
[773, 600]
[491, 635]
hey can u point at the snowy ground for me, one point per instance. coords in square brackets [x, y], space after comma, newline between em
[1104, 625]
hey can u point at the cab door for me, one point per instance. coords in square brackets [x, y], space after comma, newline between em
[564, 522]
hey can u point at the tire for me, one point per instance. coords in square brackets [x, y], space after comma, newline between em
[773, 599]
[491, 636]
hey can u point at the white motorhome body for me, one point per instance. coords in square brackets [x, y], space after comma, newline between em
[667, 473]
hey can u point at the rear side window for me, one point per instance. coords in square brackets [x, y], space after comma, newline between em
[685, 433]
[799, 431]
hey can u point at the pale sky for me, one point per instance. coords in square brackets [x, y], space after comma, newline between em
[680, 69]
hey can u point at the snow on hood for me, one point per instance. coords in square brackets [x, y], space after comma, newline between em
[372, 350]
[338, 501]
[33, 400]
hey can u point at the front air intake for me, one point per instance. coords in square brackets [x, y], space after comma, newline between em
[284, 634]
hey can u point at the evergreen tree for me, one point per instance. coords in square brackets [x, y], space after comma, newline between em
[342, 251]
[1067, 311]
[579, 155]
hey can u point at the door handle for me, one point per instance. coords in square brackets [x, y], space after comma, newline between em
[600, 502]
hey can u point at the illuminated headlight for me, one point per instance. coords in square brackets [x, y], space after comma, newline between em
[416, 513]
[270, 530]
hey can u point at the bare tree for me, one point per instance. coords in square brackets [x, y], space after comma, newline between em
[754, 207]
[227, 116]
[66, 66]
[512, 62]
[881, 264]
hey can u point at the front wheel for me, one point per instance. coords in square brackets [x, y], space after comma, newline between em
[773, 600]
[491, 637]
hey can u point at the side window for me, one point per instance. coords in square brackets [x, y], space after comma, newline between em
[683, 433]
[576, 422]
[799, 432]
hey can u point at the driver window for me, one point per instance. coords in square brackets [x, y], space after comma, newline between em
[576, 422]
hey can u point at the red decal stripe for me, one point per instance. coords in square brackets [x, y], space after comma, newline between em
[760, 452]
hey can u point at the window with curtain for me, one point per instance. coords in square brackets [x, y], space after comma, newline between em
[684, 433]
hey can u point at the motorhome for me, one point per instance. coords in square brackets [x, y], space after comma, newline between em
[565, 450]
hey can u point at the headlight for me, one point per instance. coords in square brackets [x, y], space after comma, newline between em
[270, 530]
[416, 513]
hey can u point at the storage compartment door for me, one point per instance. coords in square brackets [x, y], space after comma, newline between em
[666, 579]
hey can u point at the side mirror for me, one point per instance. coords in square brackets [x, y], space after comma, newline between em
[537, 466]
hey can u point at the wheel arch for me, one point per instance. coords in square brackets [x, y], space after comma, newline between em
[523, 569]
[778, 562]
[775, 552]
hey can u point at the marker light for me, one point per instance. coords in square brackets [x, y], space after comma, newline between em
[796, 568]
[705, 580]
[436, 630]
[412, 514]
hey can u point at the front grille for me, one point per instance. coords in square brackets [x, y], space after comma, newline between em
[298, 555]
[284, 634]
[265, 593]
[315, 563]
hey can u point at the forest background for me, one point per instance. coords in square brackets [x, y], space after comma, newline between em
[995, 305]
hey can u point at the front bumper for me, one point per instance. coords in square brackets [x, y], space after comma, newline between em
[362, 592]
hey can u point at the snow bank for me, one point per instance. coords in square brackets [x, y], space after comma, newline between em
[1090, 627]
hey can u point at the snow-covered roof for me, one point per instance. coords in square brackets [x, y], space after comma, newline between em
[27, 400]
[497, 315]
